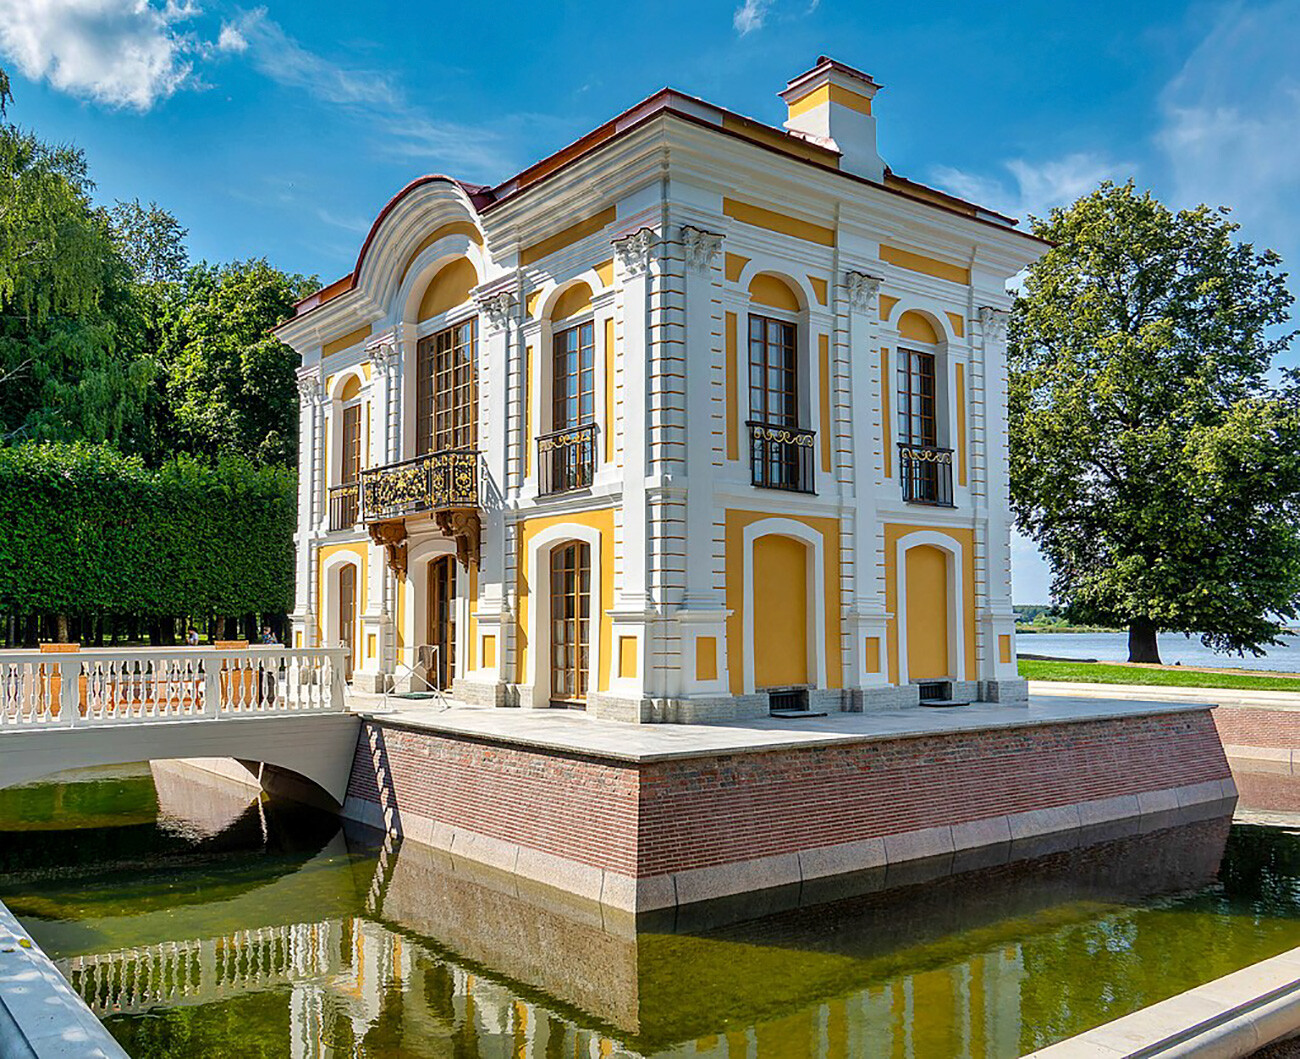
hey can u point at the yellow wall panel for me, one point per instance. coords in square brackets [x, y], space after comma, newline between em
[927, 613]
[627, 657]
[778, 222]
[824, 366]
[345, 341]
[780, 612]
[961, 423]
[706, 658]
[929, 266]
[449, 288]
[568, 236]
[732, 387]
[735, 265]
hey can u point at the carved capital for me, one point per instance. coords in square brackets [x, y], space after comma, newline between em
[382, 352]
[309, 386]
[993, 322]
[701, 247]
[497, 306]
[634, 250]
[861, 288]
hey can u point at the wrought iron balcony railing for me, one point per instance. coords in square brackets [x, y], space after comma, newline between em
[439, 481]
[781, 457]
[345, 505]
[926, 472]
[566, 459]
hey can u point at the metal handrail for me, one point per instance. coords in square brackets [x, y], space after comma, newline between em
[926, 474]
[434, 481]
[411, 672]
[781, 457]
[566, 459]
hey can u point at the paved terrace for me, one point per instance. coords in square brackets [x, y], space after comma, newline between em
[574, 731]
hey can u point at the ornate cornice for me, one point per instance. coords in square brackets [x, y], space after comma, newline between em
[701, 247]
[634, 250]
[861, 288]
[993, 322]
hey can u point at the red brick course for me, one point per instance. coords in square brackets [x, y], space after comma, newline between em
[1248, 726]
[665, 816]
[706, 812]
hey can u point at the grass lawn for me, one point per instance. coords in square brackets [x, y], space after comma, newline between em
[1100, 673]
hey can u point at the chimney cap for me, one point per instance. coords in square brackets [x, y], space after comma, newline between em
[826, 65]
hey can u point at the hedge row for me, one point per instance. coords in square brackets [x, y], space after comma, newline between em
[85, 529]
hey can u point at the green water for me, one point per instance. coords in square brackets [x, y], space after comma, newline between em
[198, 924]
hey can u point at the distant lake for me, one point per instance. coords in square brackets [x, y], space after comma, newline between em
[1174, 647]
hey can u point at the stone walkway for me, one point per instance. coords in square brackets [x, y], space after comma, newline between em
[575, 731]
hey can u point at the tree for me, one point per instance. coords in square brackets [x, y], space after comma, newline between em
[230, 382]
[6, 96]
[65, 301]
[151, 241]
[1151, 458]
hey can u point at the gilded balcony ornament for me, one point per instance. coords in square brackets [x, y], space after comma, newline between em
[783, 436]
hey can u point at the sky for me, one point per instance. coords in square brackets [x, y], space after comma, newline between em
[281, 130]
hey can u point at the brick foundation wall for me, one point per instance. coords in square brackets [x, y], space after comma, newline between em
[581, 809]
[1249, 726]
[706, 812]
[661, 817]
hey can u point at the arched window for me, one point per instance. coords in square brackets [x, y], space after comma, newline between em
[344, 493]
[570, 623]
[446, 364]
[781, 448]
[567, 451]
[924, 454]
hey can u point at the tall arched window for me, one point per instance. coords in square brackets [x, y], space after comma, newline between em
[925, 460]
[781, 448]
[570, 623]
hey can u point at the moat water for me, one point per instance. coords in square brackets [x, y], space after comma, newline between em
[196, 922]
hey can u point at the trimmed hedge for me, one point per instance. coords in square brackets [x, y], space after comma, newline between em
[87, 530]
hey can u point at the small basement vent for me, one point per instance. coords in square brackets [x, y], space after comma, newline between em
[934, 689]
[794, 699]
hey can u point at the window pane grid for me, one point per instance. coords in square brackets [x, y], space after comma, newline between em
[446, 391]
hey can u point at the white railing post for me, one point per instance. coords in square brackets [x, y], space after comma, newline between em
[338, 681]
[211, 687]
[69, 692]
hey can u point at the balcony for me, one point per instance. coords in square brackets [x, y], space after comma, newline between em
[442, 484]
[781, 457]
[344, 506]
[926, 473]
[566, 459]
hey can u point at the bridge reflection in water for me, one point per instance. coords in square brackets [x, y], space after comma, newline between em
[366, 950]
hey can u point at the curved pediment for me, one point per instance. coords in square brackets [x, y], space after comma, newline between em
[421, 214]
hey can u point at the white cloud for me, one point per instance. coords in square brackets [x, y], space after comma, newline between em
[1034, 187]
[750, 16]
[231, 40]
[279, 57]
[124, 53]
[1231, 122]
[402, 129]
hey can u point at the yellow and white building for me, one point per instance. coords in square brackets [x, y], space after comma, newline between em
[694, 418]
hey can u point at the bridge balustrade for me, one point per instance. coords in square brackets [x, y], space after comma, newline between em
[99, 687]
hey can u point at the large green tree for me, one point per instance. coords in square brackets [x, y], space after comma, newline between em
[1153, 458]
[66, 302]
[230, 382]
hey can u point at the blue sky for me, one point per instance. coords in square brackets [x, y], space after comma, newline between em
[280, 130]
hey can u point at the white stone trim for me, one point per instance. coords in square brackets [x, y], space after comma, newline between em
[816, 604]
[955, 553]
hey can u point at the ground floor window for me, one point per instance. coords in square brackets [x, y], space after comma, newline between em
[570, 622]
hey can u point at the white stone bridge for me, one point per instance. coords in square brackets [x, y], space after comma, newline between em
[281, 706]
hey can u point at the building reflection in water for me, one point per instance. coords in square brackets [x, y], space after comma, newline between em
[442, 957]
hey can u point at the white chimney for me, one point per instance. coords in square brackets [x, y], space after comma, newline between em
[831, 104]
